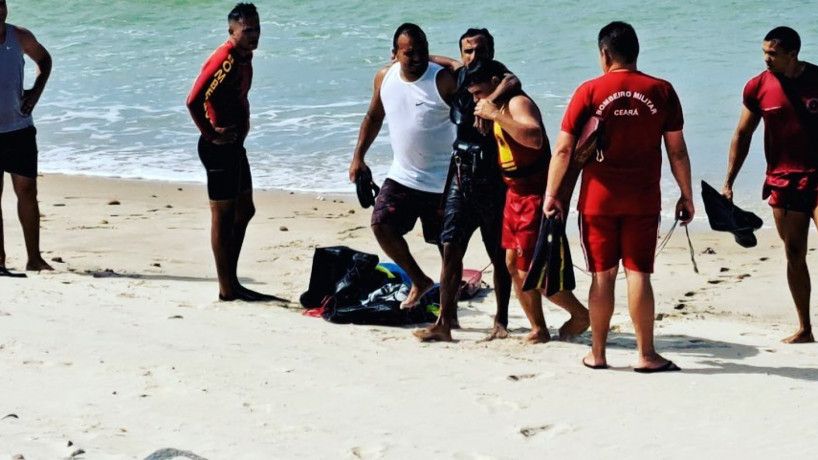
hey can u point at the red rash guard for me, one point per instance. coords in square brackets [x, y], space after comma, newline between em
[219, 96]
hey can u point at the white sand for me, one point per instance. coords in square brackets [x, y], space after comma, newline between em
[123, 366]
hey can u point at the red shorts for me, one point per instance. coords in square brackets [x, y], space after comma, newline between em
[608, 239]
[522, 217]
[794, 200]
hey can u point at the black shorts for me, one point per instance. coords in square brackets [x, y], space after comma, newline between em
[18, 152]
[465, 213]
[228, 171]
[400, 207]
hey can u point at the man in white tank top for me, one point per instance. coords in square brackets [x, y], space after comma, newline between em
[413, 96]
[18, 144]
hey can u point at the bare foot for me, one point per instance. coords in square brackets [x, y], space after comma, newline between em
[499, 332]
[258, 296]
[575, 327]
[802, 336]
[454, 323]
[539, 336]
[416, 293]
[433, 333]
[37, 265]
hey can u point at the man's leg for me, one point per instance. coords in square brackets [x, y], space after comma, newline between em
[793, 228]
[395, 246]
[531, 301]
[28, 210]
[222, 224]
[641, 306]
[502, 293]
[579, 321]
[450, 276]
[601, 308]
[2, 240]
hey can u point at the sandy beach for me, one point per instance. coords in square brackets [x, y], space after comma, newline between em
[124, 350]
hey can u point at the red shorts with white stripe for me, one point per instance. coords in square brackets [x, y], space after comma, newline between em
[608, 239]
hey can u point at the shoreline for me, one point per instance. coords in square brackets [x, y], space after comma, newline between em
[142, 357]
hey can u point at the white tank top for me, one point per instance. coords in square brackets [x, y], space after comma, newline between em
[11, 84]
[419, 129]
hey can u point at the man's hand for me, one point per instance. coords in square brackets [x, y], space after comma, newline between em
[553, 207]
[486, 110]
[226, 136]
[685, 210]
[29, 101]
[357, 166]
[482, 125]
[727, 191]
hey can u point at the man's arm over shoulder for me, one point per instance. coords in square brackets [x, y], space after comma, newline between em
[446, 85]
[370, 126]
[37, 52]
[449, 63]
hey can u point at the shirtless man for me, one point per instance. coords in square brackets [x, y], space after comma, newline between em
[413, 96]
[219, 106]
[18, 143]
[523, 155]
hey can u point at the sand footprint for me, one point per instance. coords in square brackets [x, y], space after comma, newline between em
[549, 430]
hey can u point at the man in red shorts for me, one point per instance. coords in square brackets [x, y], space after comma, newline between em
[620, 200]
[218, 104]
[523, 153]
[785, 96]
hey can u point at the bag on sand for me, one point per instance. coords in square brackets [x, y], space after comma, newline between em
[341, 272]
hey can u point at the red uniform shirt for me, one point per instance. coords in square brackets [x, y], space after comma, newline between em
[637, 110]
[219, 96]
[791, 159]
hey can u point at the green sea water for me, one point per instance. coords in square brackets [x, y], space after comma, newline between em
[114, 105]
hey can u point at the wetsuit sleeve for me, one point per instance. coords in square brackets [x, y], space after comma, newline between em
[750, 96]
[675, 119]
[578, 111]
[206, 84]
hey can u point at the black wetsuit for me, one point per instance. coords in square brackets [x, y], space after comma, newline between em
[475, 193]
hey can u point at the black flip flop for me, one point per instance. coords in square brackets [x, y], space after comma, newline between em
[666, 367]
[366, 188]
[595, 367]
[5, 272]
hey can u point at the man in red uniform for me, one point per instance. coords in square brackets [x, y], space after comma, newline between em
[620, 200]
[522, 153]
[785, 96]
[219, 107]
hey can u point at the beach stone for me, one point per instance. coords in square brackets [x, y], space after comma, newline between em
[58, 260]
[284, 229]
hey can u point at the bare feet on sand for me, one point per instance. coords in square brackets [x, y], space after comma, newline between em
[575, 327]
[248, 295]
[802, 336]
[434, 333]
[38, 264]
[539, 336]
[499, 332]
[416, 293]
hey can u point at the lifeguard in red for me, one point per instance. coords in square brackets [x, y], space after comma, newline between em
[620, 197]
[792, 157]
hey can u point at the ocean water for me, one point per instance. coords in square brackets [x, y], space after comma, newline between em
[114, 105]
